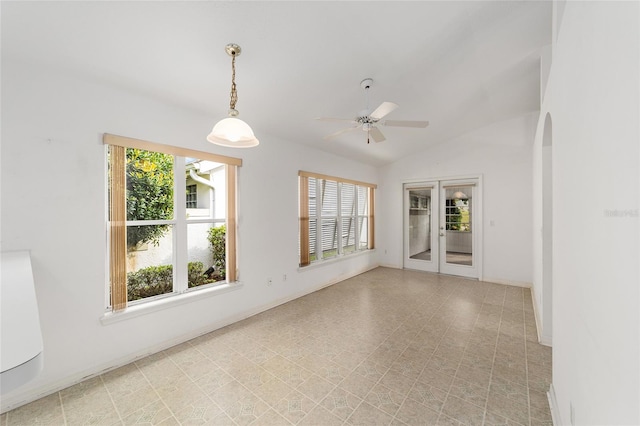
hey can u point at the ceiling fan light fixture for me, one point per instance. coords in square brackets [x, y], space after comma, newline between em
[369, 121]
[231, 131]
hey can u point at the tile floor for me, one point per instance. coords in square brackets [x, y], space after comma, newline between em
[388, 347]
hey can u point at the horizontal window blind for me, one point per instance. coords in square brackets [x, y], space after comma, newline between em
[335, 216]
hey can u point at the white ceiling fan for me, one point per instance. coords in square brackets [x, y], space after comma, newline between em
[369, 121]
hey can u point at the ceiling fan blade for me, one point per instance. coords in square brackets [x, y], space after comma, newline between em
[339, 132]
[376, 134]
[384, 109]
[403, 123]
[344, 120]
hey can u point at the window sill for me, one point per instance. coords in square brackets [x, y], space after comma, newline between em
[335, 259]
[129, 312]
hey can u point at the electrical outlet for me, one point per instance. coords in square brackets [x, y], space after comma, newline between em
[269, 282]
[284, 277]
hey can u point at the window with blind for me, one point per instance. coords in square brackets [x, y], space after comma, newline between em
[336, 217]
[160, 244]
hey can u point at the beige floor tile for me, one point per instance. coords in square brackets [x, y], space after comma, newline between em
[160, 370]
[271, 418]
[45, 411]
[124, 380]
[294, 406]
[358, 385]
[180, 394]
[151, 414]
[445, 420]
[408, 356]
[398, 382]
[89, 402]
[429, 396]
[229, 395]
[213, 380]
[316, 388]
[341, 403]
[273, 391]
[385, 399]
[492, 419]
[320, 416]
[92, 413]
[349, 359]
[501, 405]
[470, 392]
[371, 370]
[463, 411]
[437, 378]
[254, 376]
[201, 412]
[128, 402]
[413, 413]
[368, 415]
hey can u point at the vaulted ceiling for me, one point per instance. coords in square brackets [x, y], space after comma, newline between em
[459, 65]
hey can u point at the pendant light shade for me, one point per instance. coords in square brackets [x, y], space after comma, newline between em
[234, 133]
[231, 131]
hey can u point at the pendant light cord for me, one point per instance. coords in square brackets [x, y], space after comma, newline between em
[234, 93]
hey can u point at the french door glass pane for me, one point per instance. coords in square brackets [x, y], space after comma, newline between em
[458, 225]
[420, 224]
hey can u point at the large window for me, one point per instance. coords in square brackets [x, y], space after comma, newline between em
[335, 215]
[167, 232]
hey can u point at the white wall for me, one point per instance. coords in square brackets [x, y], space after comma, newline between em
[51, 145]
[596, 243]
[501, 153]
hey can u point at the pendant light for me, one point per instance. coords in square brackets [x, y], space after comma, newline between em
[232, 131]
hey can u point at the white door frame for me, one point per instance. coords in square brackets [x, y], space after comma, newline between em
[409, 263]
[435, 265]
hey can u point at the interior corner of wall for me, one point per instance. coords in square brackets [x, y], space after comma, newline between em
[536, 314]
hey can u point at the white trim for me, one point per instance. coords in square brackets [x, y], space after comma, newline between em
[553, 406]
[34, 394]
[136, 310]
[543, 340]
[512, 283]
[338, 258]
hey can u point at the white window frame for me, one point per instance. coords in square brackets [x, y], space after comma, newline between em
[179, 223]
[305, 217]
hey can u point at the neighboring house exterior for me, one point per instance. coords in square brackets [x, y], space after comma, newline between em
[206, 199]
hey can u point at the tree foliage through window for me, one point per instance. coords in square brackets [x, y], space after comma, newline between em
[149, 194]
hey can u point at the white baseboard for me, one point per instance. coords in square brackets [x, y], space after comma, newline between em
[553, 406]
[524, 284]
[19, 399]
[543, 340]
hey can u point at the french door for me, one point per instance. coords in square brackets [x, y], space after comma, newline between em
[441, 232]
